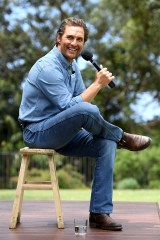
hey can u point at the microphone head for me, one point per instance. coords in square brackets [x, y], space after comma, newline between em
[87, 55]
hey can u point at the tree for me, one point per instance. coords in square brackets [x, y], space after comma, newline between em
[123, 36]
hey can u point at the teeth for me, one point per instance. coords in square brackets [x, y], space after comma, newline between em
[71, 49]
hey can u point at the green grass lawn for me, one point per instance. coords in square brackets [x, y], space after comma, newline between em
[84, 195]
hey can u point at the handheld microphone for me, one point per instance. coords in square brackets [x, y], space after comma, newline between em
[88, 56]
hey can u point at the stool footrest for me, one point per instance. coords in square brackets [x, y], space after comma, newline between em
[36, 186]
[37, 182]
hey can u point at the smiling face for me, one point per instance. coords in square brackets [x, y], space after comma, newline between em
[71, 42]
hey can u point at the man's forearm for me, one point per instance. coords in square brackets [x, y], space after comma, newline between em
[89, 94]
[103, 78]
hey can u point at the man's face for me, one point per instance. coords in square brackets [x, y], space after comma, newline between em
[71, 42]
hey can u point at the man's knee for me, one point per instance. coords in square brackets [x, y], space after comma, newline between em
[89, 108]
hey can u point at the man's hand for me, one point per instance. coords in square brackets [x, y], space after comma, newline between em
[103, 78]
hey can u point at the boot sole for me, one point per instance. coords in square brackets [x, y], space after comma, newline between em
[111, 228]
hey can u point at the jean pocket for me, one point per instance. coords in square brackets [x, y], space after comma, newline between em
[35, 127]
[28, 136]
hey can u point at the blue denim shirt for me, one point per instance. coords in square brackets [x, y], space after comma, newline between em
[53, 85]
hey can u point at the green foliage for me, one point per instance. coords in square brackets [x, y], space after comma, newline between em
[69, 178]
[125, 43]
[128, 183]
[155, 184]
[38, 175]
[143, 166]
[33, 174]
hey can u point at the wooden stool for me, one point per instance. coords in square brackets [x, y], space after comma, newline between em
[23, 185]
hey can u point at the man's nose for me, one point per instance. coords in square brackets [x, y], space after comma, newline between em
[74, 42]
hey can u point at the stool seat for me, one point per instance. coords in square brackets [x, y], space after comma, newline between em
[22, 185]
[38, 151]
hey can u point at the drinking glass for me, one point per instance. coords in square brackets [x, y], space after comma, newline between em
[80, 227]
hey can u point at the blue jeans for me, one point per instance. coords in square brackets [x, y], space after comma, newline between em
[82, 131]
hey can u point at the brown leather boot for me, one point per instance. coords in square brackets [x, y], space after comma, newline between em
[134, 142]
[103, 221]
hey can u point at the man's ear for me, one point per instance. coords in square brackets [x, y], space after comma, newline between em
[58, 38]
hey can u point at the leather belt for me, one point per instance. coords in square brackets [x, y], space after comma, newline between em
[24, 124]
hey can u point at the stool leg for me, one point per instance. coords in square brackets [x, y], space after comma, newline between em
[55, 188]
[16, 212]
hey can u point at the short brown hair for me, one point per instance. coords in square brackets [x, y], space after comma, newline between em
[72, 22]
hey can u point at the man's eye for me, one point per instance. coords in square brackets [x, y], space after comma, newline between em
[69, 37]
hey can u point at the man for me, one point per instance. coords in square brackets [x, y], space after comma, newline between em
[56, 113]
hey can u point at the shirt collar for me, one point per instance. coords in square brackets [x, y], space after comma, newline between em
[65, 63]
